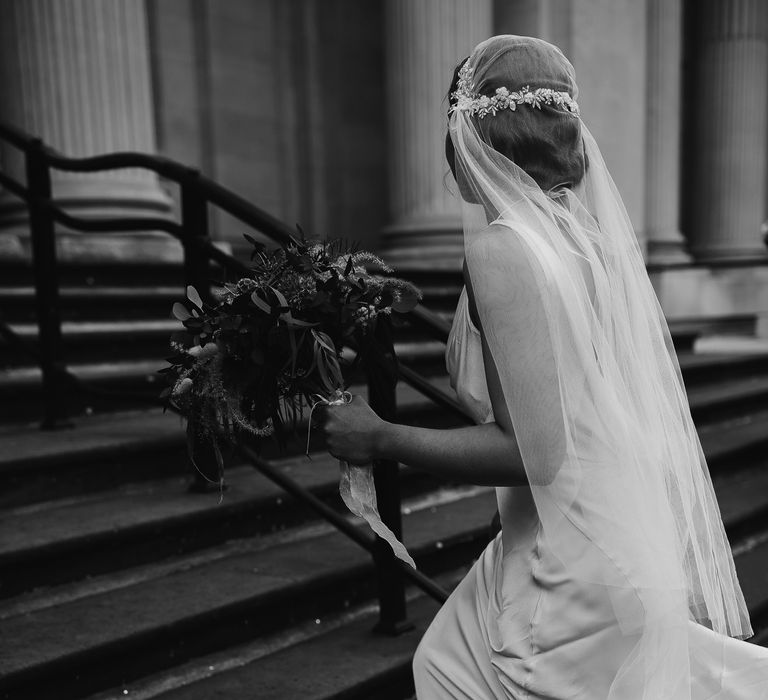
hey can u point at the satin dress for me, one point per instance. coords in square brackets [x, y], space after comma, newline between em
[518, 627]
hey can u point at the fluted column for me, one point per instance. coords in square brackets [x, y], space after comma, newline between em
[732, 115]
[76, 73]
[663, 130]
[425, 41]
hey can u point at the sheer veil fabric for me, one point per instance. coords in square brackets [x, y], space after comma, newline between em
[593, 388]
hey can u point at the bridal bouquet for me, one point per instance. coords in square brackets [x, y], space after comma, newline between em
[270, 344]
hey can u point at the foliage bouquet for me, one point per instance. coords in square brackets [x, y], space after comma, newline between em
[269, 345]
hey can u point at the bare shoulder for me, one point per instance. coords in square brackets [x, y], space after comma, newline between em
[492, 264]
[499, 255]
[495, 246]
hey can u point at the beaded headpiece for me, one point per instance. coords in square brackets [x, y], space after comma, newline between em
[467, 100]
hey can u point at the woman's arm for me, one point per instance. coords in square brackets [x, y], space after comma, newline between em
[486, 454]
[478, 454]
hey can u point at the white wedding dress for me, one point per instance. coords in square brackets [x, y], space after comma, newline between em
[518, 626]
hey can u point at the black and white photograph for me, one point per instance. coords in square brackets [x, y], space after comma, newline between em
[384, 349]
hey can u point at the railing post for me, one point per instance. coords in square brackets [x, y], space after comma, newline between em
[45, 271]
[194, 222]
[382, 383]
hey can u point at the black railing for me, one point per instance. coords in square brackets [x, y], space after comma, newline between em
[198, 193]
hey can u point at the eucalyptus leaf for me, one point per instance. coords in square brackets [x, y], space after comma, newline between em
[260, 304]
[298, 323]
[181, 312]
[281, 298]
[194, 297]
[324, 340]
[256, 244]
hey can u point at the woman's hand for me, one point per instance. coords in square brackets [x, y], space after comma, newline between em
[352, 431]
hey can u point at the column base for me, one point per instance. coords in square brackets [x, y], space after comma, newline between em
[717, 292]
[92, 197]
[667, 250]
[730, 252]
[144, 246]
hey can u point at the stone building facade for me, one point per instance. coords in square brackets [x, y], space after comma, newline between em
[332, 113]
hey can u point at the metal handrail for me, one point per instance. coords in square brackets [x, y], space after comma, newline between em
[265, 466]
[197, 193]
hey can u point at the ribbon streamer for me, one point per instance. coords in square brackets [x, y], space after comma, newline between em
[357, 488]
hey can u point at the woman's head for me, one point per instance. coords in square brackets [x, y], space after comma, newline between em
[546, 143]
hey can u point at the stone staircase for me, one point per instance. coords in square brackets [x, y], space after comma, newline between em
[117, 581]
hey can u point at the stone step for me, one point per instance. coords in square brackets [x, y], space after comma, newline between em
[704, 368]
[726, 399]
[146, 340]
[358, 621]
[22, 387]
[347, 662]
[67, 539]
[94, 302]
[103, 273]
[99, 452]
[104, 330]
[99, 341]
[732, 324]
[742, 496]
[351, 663]
[726, 444]
[152, 623]
[129, 631]
[42, 465]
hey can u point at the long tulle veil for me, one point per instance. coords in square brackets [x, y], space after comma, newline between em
[593, 388]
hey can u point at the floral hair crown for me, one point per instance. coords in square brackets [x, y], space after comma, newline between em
[467, 100]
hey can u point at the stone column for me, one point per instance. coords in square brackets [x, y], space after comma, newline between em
[606, 42]
[76, 73]
[551, 20]
[732, 127]
[425, 41]
[663, 131]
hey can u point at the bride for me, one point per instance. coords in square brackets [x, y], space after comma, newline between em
[612, 576]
